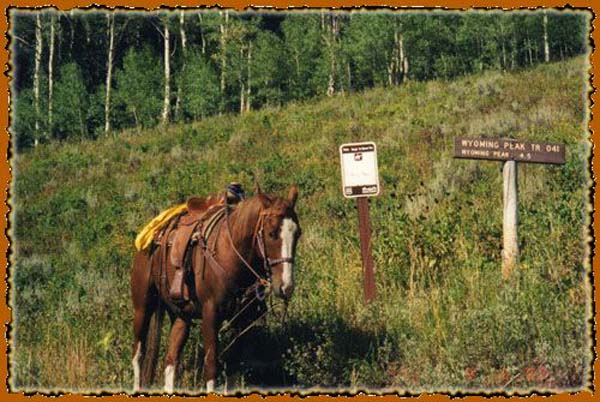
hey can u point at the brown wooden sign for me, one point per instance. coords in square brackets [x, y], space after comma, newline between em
[509, 150]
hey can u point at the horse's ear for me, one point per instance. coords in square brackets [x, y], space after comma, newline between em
[264, 200]
[257, 189]
[293, 195]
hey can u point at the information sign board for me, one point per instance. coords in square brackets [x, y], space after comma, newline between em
[509, 150]
[360, 176]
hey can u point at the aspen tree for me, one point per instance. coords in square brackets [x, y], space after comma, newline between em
[167, 66]
[36, 74]
[109, 67]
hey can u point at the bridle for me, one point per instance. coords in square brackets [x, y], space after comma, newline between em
[259, 239]
[268, 263]
[262, 284]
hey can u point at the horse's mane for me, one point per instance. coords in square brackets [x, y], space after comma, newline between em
[244, 216]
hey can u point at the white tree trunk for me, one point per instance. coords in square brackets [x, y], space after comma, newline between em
[403, 60]
[223, 56]
[182, 30]
[242, 84]
[510, 250]
[50, 72]
[183, 37]
[202, 40]
[396, 60]
[390, 65]
[167, 61]
[223, 44]
[36, 74]
[331, 41]
[109, 66]
[72, 27]
[248, 87]
[546, 42]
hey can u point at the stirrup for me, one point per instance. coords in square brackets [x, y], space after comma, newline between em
[176, 289]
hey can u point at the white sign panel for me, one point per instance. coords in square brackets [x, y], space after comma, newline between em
[360, 177]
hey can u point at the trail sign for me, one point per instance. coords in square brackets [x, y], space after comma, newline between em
[360, 179]
[510, 151]
[360, 176]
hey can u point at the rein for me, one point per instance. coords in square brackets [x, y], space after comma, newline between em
[259, 239]
[265, 282]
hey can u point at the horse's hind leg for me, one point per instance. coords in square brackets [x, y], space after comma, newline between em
[144, 305]
[141, 321]
[209, 338]
[179, 334]
[140, 329]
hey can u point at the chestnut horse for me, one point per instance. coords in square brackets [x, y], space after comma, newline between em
[254, 243]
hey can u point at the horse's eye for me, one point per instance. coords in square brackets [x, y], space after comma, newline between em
[273, 233]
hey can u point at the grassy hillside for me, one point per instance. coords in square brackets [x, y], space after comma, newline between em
[444, 319]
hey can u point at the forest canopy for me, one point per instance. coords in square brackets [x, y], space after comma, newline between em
[84, 74]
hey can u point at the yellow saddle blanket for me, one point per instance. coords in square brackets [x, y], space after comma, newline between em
[144, 238]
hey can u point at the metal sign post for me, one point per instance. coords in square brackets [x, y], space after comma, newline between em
[360, 179]
[510, 151]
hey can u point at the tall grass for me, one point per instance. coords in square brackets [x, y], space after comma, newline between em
[443, 320]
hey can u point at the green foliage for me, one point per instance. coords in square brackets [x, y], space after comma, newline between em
[23, 120]
[200, 94]
[444, 319]
[259, 60]
[95, 112]
[303, 44]
[369, 45]
[138, 88]
[268, 71]
[23, 125]
[71, 103]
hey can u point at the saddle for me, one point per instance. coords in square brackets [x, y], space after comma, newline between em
[201, 216]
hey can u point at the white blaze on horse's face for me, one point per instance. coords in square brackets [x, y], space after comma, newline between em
[288, 237]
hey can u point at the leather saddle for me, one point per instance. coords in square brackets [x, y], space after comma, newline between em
[201, 213]
[185, 228]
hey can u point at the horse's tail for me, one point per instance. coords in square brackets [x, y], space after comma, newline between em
[152, 345]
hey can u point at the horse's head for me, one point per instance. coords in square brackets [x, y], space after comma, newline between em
[277, 238]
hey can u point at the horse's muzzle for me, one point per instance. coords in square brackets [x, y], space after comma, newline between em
[285, 291]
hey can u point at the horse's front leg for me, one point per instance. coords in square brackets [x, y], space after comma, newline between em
[209, 337]
[179, 334]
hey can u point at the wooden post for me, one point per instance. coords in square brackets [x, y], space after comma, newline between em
[510, 251]
[364, 230]
[360, 180]
[510, 151]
